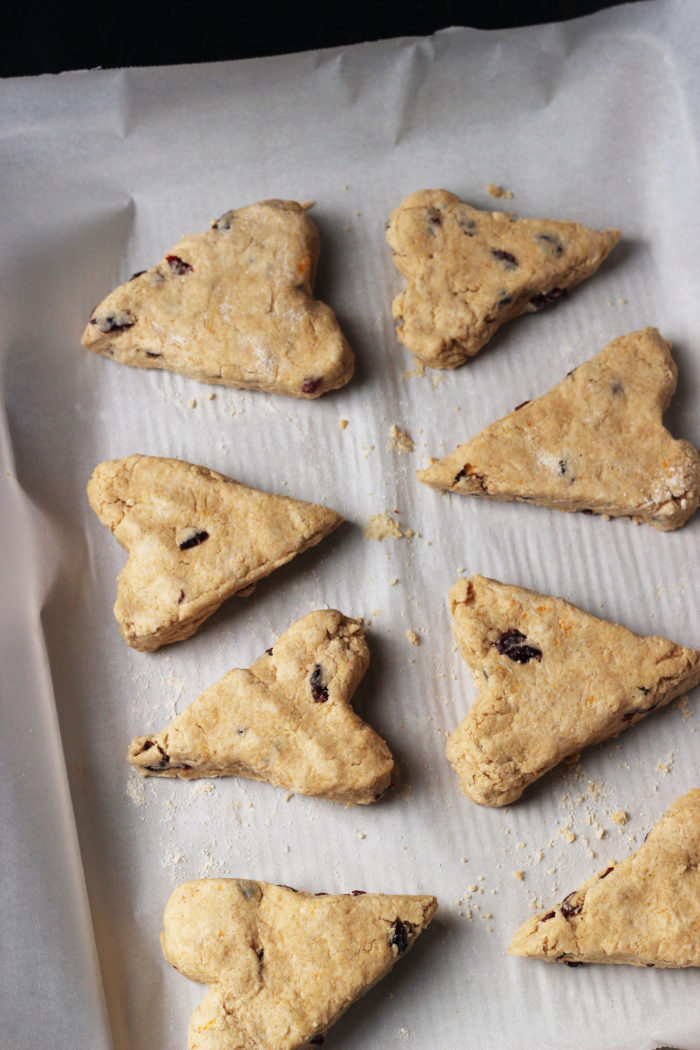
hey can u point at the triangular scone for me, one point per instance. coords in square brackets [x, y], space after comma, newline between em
[551, 680]
[594, 442]
[644, 911]
[283, 966]
[469, 271]
[194, 538]
[287, 720]
[232, 306]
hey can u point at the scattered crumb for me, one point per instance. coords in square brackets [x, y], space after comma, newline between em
[192, 403]
[519, 875]
[419, 370]
[620, 816]
[622, 302]
[437, 379]
[539, 856]
[360, 835]
[211, 395]
[392, 583]
[667, 766]
[413, 637]
[343, 424]
[682, 706]
[520, 845]
[381, 526]
[401, 440]
[498, 191]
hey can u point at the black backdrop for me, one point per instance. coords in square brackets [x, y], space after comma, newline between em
[50, 37]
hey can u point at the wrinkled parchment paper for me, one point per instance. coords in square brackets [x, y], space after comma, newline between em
[594, 120]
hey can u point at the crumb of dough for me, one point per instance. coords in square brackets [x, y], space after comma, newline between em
[343, 424]
[419, 370]
[401, 440]
[620, 816]
[437, 379]
[498, 191]
[413, 637]
[392, 583]
[682, 706]
[192, 403]
[211, 395]
[667, 766]
[381, 526]
[519, 875]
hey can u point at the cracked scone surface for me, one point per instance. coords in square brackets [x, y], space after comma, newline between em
[282, 966]
[551, 680]
[286, 720]
[594, 442]
[232, 306]
[194, 538]
[644, 911]
[467, 271]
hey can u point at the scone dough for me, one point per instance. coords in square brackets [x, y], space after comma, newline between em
[194, 538]
[282, 965]
[594, 442]
[468, 271]
[644, 911]
[551, 680]
[287, 720]
[232, 306]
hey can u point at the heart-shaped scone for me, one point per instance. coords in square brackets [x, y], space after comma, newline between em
[194, 538]
[286, 720]
[467, 271]
[232, 306]
[644, 911]
[594, 442]
[283, 966]
[551, 680]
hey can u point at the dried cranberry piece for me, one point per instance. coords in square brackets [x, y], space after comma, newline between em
[152, 353]
[269, 651]
[181, 597]
[549, 915]
[319, 691]
[260, 952]
[569, 907]
[318, 1040]
[545, 298]
[194, 540]
[311, 384]
[400, 933]
[521, 405]
[509, 260]
[606, 872]
[572, 962]
[510, 645]
[434, 217]
[138, 273]
[552, 243]
[117, 321]
[178, 265]
[358, 893]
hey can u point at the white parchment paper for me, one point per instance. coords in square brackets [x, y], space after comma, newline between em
[594, 120]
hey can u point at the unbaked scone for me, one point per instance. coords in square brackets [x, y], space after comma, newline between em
[232, 306]
[194, 538]
[551, 680]
[282, 965]
[644, 911]
[468, 271]
[594, 442]
[287, 720]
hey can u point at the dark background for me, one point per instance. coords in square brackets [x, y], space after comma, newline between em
[50, 37]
